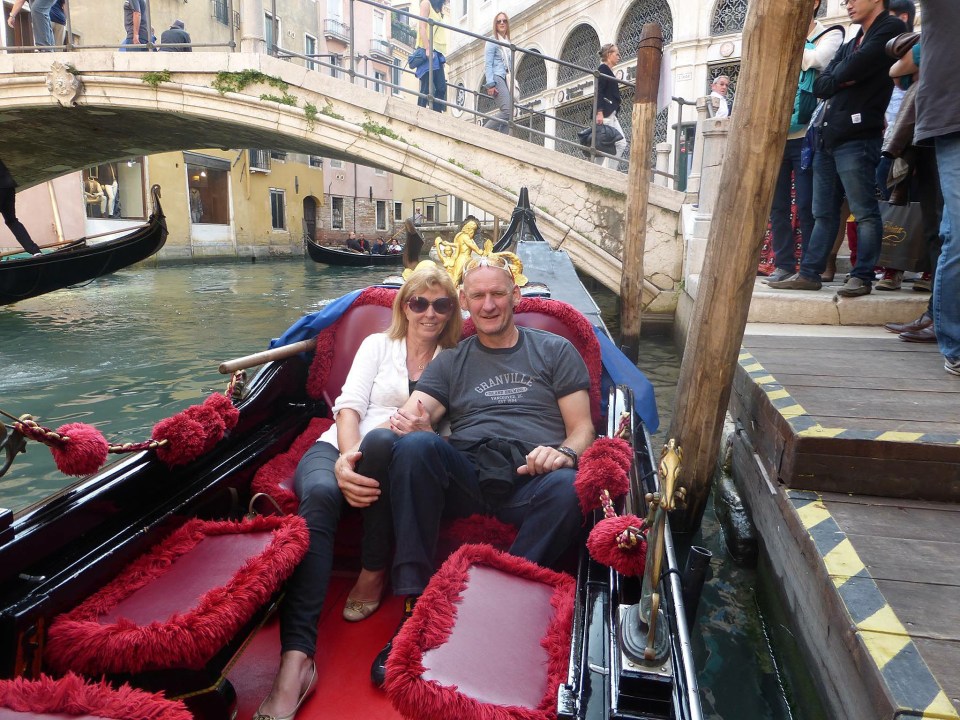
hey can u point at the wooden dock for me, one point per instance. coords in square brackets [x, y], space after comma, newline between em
[848, 456]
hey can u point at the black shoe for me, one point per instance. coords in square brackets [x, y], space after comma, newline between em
[378, 671]
[777, 275]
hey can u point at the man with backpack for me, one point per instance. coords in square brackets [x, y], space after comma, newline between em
[856, 87]
[822, 44]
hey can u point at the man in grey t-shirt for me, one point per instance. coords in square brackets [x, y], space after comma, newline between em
[135, 23]
[519, 411]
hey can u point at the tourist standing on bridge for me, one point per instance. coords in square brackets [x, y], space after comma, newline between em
[175, 35]
[496, 66]
[938, 119]
[433, 39]
[857, 87]
[39, 19]
[8, 208]
[58, 20]
[135, 23]
[608, 102]
[821, 45]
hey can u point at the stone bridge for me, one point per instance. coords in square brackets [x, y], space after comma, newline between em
[107, 106]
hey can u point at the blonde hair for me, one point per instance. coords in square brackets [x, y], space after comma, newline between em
[423, 278]
[605, 50]
[496, 32]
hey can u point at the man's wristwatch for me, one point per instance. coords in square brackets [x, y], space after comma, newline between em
[570, 453]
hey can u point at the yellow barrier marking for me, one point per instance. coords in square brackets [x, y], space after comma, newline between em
[753, 368]
[885, 621]
[813, 514]
[941, 708]
[777, 394]
[765, 380]
[883, 647]
[843, 561]
[820, 432]
[792, 411]
[896, 436]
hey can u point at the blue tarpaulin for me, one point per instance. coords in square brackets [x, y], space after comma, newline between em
[624, 372]
[310, 325]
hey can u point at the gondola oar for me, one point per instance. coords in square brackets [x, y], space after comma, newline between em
[280, 353]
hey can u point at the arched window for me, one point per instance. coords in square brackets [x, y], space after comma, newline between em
[732, 71]
[571, 119]
[580, 48]
[639, 14]
[729, 16]
[531, 75]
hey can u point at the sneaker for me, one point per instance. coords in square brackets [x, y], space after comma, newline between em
[892, 280]
[777, 275]
[854, 287]
[924, 284]
[952, 366]
[796, 282]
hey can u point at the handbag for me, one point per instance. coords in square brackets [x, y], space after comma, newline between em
[900, 45]
[904, 246]
[812, 140]
[607, 138]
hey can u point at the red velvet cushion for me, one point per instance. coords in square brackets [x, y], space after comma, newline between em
[275, 477]
[182, 601]
[489, 639]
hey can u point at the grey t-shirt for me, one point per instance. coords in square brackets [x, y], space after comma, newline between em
[506, 393]
[938, 102]
[130, 7]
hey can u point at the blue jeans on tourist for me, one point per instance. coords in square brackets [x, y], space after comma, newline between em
[40, 19]
[849, 168]
[430, 480]
[781, 224]
[439, 88]
[946, 289]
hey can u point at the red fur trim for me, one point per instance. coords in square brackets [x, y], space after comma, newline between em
[275, 477]
[84, 454]
[582, 336]
[432, 622]
[72, 695]
[603, 544]
[79, 641]
[596, 474]
[326, 340]
[224, 405]
[480, 529]
[211, 422]
[617, 449]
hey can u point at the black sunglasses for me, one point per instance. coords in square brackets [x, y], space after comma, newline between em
[441, 306]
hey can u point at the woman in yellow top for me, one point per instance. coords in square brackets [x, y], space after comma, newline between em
[433, 40]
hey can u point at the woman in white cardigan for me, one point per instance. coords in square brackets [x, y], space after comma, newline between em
[426, 319]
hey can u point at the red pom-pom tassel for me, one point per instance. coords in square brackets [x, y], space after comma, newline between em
[225, 407]
[596, 474]
[84, 451]
[185, 439]
[211, 422]
[616, 449]
[613, 543]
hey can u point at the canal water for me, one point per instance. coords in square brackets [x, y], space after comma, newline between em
[142, 344]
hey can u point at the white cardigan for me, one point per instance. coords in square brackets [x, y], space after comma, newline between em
[377, 384]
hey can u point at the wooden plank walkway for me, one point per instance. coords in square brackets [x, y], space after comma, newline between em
[849, 460]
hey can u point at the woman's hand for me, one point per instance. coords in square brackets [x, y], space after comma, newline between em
[358, 490]
[543, 459]
[492, 91]
[405, 422]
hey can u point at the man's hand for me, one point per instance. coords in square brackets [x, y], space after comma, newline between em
[404, 421]
[358, 490]
[11, 21]
[492, 91]
[543, 459]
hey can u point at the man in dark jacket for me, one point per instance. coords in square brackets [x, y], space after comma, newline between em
[175, 35]
[857, 87]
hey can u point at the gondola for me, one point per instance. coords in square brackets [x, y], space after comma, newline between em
[80, 262]
[122, 575]
[346, 258]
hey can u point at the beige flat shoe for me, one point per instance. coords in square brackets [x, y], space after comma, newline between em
[357, 610]
[311, 686]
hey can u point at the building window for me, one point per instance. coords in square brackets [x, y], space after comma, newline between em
[381, 214]
[380, 172]
[316, 161]
[333, 9]
[379, 25]
[221, 12]
[531, 75]
[729, 16]
[278, 155]
[268, 33]
[278, 209]
[580, 48]
[640, 13]
[209, 194]
[336, 164]
[336, 61]
[336, 213]
[395, 75]
[114, 190]
[398, 212]
[431, 213]
[379, 79]
[310, 49]
[259, 160]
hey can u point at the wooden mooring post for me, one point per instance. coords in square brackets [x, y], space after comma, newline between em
[649, 55]
[773, 39]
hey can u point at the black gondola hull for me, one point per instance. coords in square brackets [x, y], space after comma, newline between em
[345, 258]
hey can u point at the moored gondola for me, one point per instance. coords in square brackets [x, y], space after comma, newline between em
[84, 574]
[346, 258]
[80, 261]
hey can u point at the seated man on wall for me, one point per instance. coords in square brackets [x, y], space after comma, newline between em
[519, 410]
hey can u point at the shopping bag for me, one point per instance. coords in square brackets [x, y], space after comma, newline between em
[904, 247]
